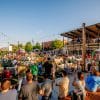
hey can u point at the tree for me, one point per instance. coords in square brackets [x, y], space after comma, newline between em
[14, 48]
[2, 53]
[57, 44]
[21, 46]
[37, 46]
[28, 47]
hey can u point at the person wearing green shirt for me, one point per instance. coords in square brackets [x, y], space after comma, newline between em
[34, 70]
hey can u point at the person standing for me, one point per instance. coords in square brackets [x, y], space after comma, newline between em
[6, 73]
[46, 88]
[79, 92]
[40, 68]
[99, 66]
[6, 92]
[29, 91]
[34, 70]
[93, 82]
[63, 86]
[48, 67]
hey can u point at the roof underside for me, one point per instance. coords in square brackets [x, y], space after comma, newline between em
[92, 31]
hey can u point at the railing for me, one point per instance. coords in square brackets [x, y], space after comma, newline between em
[79, 46]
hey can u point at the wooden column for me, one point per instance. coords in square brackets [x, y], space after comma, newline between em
[83, 46]
[73, 47]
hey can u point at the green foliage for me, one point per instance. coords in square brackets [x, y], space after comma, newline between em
[2, 53]
[37, 46]
[57, 44]
[28, 47]
[21, 46]
[14, 48]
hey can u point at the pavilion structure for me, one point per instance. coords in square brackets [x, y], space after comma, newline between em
[84, 39]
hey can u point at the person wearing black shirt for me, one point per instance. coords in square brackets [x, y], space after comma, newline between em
[48, 66]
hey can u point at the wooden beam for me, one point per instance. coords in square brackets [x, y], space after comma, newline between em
[98, 35]
[97, 26]
[98, 29]
[79, 31]
[65, 35]
[76, 34]
[92, 32]
[69, 36]
[73, 35]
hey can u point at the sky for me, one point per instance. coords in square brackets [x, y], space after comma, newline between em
[44, 20]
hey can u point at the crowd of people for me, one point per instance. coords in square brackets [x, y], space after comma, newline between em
[29, 86]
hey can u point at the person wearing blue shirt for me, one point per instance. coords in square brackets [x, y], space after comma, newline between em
[93, 82]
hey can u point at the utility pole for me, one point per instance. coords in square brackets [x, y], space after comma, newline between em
[33, 41]
[8, 47]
